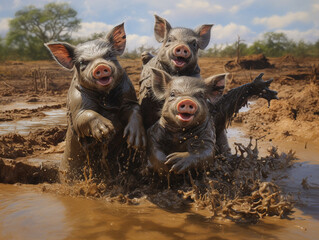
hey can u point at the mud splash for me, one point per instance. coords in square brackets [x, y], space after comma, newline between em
[234, 188]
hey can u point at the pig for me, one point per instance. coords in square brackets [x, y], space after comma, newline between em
[184, 137]
[102, 107]
[178, 56]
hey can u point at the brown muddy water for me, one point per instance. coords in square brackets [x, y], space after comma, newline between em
[54, 117]
[26, 212]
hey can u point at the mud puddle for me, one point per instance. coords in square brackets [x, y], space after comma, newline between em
[24, 105]
[52, 118]
[26, 213]
[54, 158]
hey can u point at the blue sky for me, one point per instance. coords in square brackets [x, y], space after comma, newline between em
[249, 19]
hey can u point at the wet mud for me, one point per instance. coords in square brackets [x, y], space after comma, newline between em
[256, 182]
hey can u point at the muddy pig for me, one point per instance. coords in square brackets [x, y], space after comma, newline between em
[185, 137]
[178, 56]
[101, 102]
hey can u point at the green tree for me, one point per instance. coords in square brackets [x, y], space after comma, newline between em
[315, 49]
[257, 47]
[272, 45]
[32, 27]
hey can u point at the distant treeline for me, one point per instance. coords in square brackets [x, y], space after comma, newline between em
[271, 45]
[32, 27]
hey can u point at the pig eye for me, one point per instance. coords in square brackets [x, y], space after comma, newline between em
[194, 43]
[84, 63]
[172, 94]
[200, 95]
[170, 39]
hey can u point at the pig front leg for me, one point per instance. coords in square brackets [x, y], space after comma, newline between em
[134, 130]
[222, 143]
[156, 156]
[262, 88]
[199, 152]
[183, 161]
[230, 103]
[89, 123]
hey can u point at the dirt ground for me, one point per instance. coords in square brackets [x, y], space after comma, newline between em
[295, 116]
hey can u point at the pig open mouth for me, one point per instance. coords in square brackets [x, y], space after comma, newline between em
[185, 117]
[179, 62]
[104, 81]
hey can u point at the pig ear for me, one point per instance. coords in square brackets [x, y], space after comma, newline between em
[117, 38]
[160, 82]
[63, 53]
[204, 35]
[215, 86]
[161, 28]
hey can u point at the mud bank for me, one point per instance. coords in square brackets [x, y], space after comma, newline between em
[240, 188]
[27, 172]
[294, 117]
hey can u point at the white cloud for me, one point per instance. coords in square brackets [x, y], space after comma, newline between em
[229, 33]
[310, 35]
[133, 41]
[241, 5]
[276, 21]
[88, 28]
[142, 20]
[4, 26]
[199, 4]
[192, 8]
[167, 12]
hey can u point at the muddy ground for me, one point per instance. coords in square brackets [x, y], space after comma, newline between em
[294, 117]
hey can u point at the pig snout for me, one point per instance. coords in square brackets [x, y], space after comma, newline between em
[186, 110]
[102, 73]
[182, 51]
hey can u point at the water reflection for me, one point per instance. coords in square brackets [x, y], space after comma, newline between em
[24, 105]
[54, 117]
[26, 213]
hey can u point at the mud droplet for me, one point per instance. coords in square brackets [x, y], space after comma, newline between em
[183, 129]
[196, 137]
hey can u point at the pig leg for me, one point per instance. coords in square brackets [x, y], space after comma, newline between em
[182, 161]
[91, 124]
[230, 103]
[134, 130]
[222, 143]
[157, 158]
[200, 152]
[130, 116]
[73, 160]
